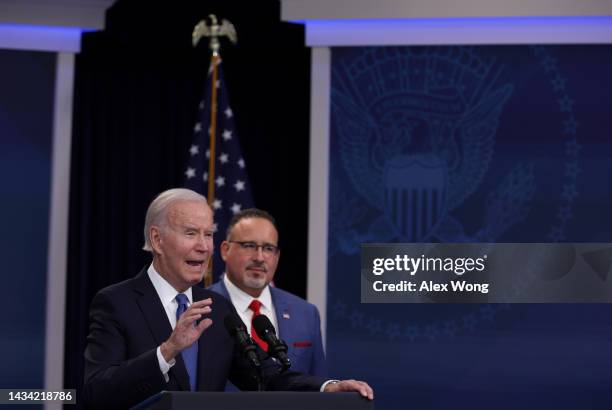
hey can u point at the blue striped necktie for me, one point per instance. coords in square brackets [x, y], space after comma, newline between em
[190, 354]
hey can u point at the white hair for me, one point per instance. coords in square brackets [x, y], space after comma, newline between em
[156, 213]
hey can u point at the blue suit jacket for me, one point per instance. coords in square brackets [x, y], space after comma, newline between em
[299, 325]
[128, 323]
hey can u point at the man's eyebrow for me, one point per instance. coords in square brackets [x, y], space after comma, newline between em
[256, 243]
[189, 227]
[196, 228]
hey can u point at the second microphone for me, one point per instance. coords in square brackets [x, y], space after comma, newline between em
[276, 347]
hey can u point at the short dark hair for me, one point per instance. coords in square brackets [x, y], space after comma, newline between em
[246, 214]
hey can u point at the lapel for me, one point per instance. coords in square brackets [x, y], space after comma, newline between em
[205, 376]
[283, 314]
[157, 320]
[223, 288]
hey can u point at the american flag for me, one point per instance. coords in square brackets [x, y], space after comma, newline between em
[232, 188]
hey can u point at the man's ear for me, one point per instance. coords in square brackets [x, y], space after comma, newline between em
[155, 239]
[224, 250]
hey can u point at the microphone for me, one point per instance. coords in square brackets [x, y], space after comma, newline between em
[238, 331]
[276, 347]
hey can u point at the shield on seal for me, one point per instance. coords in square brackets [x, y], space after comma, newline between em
[415, 194]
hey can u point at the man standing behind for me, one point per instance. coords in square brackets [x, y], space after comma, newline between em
[251, 255]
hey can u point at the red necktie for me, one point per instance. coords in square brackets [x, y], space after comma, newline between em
[255, 306]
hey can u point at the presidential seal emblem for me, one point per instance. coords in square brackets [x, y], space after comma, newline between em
[414, 133]
[416, 141]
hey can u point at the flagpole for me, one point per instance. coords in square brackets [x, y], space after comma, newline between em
[213, 129]
[208, 278]
[214, 31]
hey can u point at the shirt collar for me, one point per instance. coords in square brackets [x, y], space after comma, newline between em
[241, 300]
[165, 291]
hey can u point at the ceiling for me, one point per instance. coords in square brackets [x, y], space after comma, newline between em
[82, 14]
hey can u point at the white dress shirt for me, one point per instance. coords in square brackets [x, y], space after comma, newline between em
[167, 296]
[241, 301]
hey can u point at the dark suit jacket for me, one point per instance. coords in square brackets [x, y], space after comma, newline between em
[299, 325]
[128, 323]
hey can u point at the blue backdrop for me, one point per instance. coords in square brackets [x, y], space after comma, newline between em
[26, 108]
[469, 144]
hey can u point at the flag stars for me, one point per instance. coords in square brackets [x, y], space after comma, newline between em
[236, 208]
[190, 173]
[239, 185]
[228, 180]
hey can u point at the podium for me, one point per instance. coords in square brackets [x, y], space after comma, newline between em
[173, 400]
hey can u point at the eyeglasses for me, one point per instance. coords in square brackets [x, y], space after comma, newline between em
[252, 247]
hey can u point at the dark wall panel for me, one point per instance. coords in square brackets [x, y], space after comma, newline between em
[27, 82]
[518, 137]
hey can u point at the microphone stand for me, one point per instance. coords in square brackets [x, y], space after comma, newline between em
[260, 380]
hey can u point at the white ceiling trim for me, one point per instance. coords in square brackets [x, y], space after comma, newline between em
[459, 31]
[84, 14]
[301, 10]
[34, 38]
